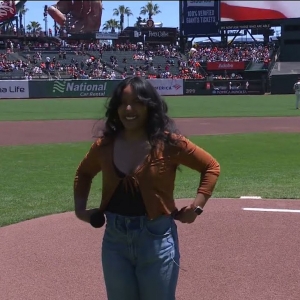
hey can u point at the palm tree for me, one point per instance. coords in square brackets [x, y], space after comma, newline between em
[122, 11]
[111, 25]
[34, 27]
[138, 22]
[22, 12]
[150, 9]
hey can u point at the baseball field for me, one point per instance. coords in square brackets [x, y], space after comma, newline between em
[248, 247]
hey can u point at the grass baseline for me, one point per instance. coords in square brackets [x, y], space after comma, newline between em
[38, 179]
[179, 107]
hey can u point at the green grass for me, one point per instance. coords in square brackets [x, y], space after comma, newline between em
[37, 180]
[180, 106]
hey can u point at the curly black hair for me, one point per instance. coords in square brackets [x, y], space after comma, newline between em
[159, 127]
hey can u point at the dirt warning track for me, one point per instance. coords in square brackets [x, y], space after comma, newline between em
[41, 132]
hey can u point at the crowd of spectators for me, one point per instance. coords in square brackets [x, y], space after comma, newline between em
[86, 61]
[235, 52]
[74, 63]
[9, 65]
[192, 65]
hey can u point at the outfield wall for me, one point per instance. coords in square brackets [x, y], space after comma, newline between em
[283, 84]
[37, 89]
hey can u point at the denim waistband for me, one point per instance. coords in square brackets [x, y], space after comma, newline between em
[137, 222]
[113, 219]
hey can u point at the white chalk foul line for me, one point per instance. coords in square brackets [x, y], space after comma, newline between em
[272, 210]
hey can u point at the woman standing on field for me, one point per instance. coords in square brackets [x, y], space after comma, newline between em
[138, 154]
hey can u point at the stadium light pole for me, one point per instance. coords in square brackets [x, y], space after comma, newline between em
[181, 31]
[46, 19]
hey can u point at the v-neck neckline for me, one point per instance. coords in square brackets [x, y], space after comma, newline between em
[137, 170]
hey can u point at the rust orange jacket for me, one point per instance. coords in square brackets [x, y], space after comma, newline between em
[155, 177]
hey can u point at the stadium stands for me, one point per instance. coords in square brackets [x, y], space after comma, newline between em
[104, 61]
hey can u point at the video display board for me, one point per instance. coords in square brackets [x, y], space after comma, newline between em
[200, 17]
[208, 17]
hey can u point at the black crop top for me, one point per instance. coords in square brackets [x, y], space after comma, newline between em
[127, 199]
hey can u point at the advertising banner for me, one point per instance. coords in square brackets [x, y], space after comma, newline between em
[51, 48]
[7, 10]
[236, 92]
[106, 36]
[71, 88]
[200, 17]
[168, 87]
[237, 87]
[221, 87]
[14, 89]
[156, 34]
[225, 65]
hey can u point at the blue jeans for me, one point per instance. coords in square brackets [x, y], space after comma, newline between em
[140, 258]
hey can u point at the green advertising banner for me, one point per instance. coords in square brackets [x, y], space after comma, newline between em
[71, 88]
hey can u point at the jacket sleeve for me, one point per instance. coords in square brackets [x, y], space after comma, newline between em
[196, 158]
[88, 168]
